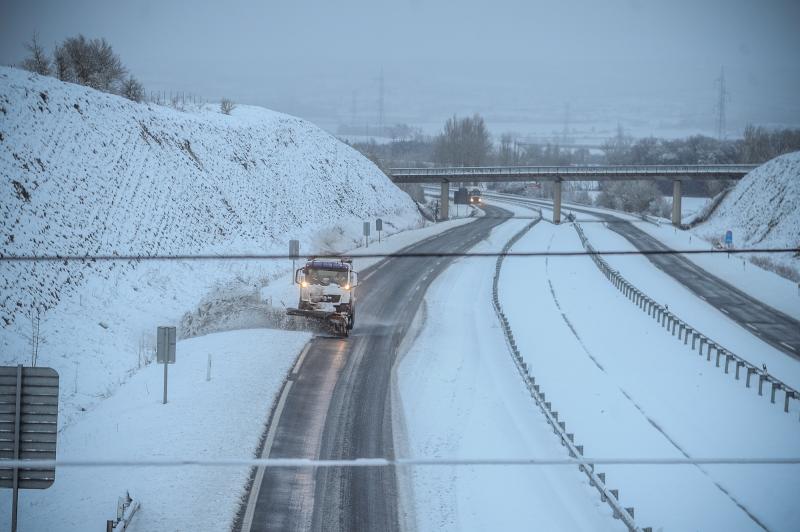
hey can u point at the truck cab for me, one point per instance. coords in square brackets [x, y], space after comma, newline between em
[327, 291]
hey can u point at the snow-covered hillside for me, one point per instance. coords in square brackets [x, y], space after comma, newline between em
[84, 172]
[762, 211]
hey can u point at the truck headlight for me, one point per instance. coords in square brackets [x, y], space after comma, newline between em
[304, 284]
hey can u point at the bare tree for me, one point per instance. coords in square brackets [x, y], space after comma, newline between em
[90, 62]
[132, 89]
[463, 142]
[61, 63]
[226, 106]
[37, 61]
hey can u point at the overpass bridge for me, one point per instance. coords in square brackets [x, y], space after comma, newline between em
[557, 174]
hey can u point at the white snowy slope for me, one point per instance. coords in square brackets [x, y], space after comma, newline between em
[763, 210]
[84, 172]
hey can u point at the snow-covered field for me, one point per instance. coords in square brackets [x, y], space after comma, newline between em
[460, 396]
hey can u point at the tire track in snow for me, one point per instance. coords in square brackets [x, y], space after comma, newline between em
[637, 405]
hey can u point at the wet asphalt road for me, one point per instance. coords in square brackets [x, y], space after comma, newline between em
[338, 402]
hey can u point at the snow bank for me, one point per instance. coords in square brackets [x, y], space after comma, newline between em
[763, 210]
[221, 418]
[85, 172]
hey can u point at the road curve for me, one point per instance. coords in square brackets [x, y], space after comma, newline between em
[338, 402]
[769, 324]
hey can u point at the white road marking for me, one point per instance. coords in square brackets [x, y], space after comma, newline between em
[752, 326]
[787, 345]
[300, 359]
[723, 310]
[702, 297]
[247, 522]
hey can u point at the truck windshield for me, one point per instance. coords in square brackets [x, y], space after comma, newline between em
[326, 277]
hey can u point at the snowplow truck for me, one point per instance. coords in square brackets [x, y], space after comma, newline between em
[327, 293]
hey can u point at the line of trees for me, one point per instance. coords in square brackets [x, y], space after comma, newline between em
[90, 62]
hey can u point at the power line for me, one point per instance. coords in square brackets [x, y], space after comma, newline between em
[431, 254]
[387, 462]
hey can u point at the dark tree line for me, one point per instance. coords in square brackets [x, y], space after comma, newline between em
[90, 62]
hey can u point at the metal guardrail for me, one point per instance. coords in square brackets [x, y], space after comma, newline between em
[700, 341]
[570, 173]
[596, 479]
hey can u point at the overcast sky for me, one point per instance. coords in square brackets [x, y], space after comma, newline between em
[650, 66]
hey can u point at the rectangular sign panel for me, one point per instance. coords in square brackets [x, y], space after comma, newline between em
[379, 225]
[294, 249]
[28, 423]
[165, 345]
[366, 228]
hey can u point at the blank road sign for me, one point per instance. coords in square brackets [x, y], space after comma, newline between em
[366, 228]
[165, 345]
[379, 225]
[294, 249]
[37, 422]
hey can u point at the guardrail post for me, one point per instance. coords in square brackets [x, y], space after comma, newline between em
[728, 358]
[775, 386]
[739, 365]
[686, 338]
[719, 352]
[789, 395]
[750, 371]
[761, 379]
[695, 334]
[711, 345]
[615, 494]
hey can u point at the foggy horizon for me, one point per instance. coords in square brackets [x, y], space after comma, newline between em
[529, 69]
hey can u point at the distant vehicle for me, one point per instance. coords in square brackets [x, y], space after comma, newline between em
[475, 196]
[327, 293]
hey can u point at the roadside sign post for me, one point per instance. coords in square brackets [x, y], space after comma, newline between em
[165, 351]
[294, 253]
[35, 393]
[366, 232]
[379, 228]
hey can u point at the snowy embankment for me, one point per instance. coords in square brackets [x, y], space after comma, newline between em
[91, 173]
[762, 211]
[459, 395]
[222, 418]
[628, 389]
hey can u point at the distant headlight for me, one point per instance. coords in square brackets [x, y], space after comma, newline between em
[304, 284]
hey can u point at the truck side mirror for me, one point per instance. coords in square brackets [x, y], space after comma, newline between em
[353, 279]
[298, 276]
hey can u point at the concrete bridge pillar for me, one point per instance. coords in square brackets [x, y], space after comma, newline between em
[676, 203]
[444, 201]
[556, 202]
